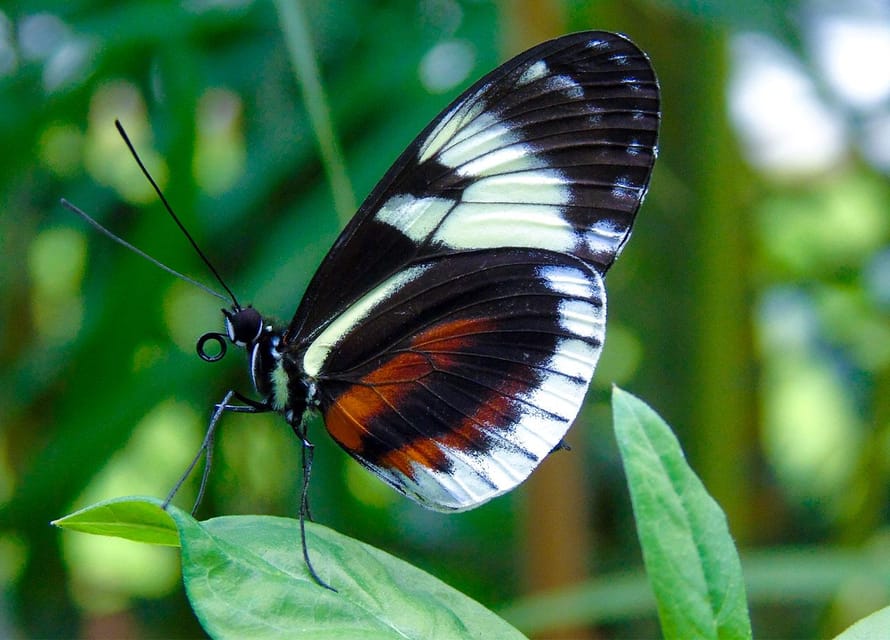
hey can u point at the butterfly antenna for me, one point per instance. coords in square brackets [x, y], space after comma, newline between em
[141, 253]
[123, 134]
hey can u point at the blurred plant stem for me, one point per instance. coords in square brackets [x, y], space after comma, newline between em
[725, 401]
[299, 44]
[712, 249]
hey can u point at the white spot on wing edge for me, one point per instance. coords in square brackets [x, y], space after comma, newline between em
[582, 312]
[562, 390]
[567, 86]
[604, 237]
[552, 406]
[456, 490]
[577, 358]
[535, 72]
[318, 351]
[538, 432]
[581, 318]
[570, 281]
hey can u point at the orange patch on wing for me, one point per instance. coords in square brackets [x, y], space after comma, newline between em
[450, 336]
[346, 417]
[350, 418]
[486, 421]
[470, 436]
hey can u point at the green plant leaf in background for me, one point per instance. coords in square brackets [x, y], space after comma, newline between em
[245, 578]
[690, 558]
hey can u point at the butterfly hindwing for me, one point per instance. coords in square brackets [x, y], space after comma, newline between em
[451, 333]
[454, 384]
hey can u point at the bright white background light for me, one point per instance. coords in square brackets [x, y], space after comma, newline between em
[782, 123]
[788, 122]
[853, 53]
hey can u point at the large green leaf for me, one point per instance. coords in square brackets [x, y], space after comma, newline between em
[690, 557]
[873, 627]
[245, 578]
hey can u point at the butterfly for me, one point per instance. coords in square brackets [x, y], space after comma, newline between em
[449, 336]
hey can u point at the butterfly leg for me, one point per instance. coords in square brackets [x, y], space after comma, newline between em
[307, 455]
[249, 405]
[206, 450]
[305, 514]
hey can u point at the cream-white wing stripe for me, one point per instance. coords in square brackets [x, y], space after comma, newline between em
[320, 348]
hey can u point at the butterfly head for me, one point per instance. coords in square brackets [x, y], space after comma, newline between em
[243, 326]
[247, 328]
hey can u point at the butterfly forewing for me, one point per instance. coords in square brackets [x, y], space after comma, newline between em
[454, 327]
[551, 150]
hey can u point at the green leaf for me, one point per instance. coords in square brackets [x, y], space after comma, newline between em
[691, 561]
[245, 578]
[873, 627]
[132, 518]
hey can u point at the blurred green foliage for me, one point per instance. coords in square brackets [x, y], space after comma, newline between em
[751, 310]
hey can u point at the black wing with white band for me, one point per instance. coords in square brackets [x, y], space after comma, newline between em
[454, 327]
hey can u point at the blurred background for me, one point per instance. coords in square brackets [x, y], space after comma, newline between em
[751, 308]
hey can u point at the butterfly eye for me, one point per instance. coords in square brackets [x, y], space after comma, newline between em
[244, 326]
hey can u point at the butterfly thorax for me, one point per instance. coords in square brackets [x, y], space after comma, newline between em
[279, 389]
